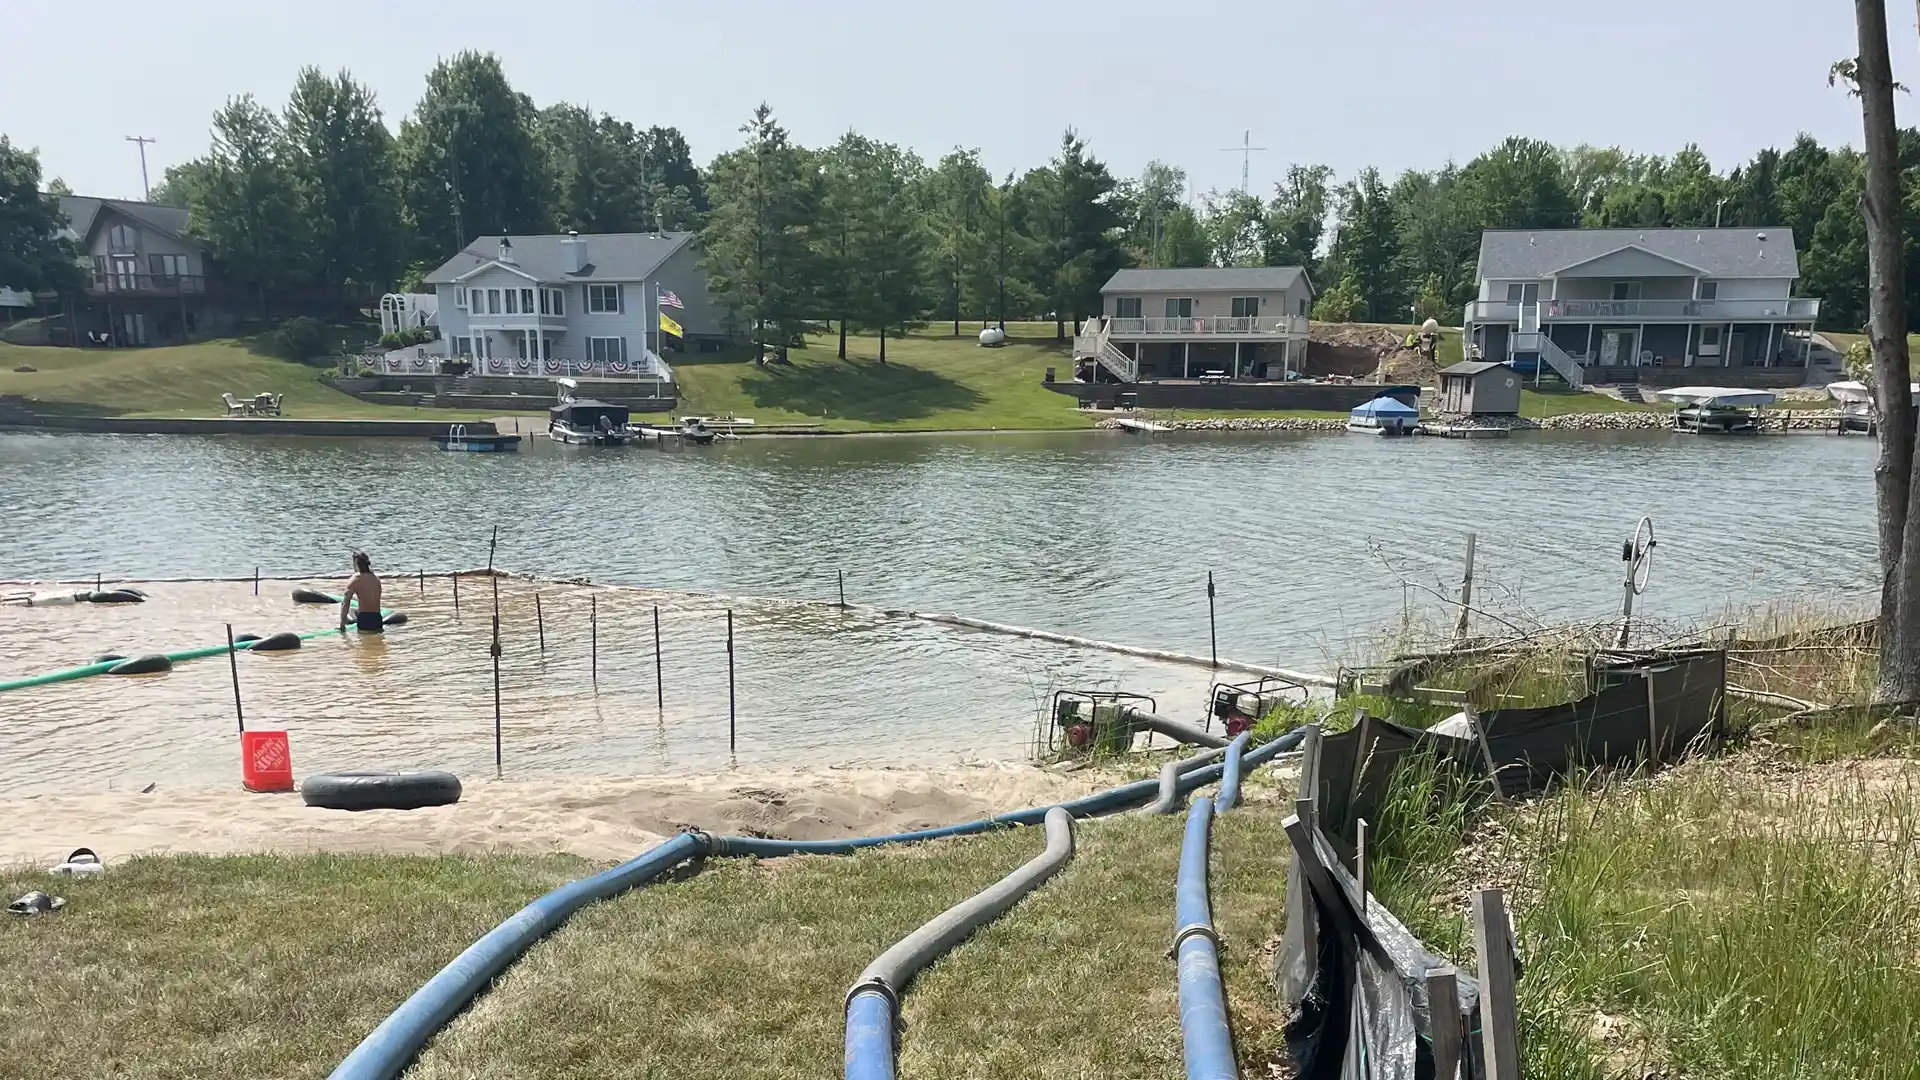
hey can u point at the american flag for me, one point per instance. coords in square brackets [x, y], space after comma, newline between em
[667, 299]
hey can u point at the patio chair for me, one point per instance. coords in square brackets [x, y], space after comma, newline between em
[275, 406]
[236, 407]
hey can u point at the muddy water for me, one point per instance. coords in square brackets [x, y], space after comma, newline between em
[1314, 542]
[813, 686]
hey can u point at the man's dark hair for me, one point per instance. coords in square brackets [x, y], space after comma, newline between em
[361, 563]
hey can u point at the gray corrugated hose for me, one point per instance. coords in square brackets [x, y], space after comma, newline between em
[1174, 729]
[1170, 775]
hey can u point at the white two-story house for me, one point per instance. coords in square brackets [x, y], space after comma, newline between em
[1607, 304]
[574, 304]
[1240, 322]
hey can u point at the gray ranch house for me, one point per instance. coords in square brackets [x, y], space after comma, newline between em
[1626, 305]
[1219, 323]
[587, 305]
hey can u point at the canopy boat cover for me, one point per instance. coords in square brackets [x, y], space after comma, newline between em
[1719, 397]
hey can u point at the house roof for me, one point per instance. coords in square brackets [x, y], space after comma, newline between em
[83, 210]
[1471, 367]
[1720, 253]
[1206, 279]
[610, 256]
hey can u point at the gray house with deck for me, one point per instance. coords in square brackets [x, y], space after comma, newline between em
[1222, 323]
[146, 280]
[578, 304]
[1625, 304]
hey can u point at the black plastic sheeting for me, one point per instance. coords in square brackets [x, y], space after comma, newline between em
[1669, 703]
[1356, 985]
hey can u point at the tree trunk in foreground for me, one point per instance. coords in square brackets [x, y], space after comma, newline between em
[1887, 331]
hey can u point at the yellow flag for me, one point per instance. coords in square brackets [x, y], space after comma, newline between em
[669, 326]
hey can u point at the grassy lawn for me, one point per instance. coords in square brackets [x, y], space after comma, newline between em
[248, 966]
[931, 382]
[182, 380]
[259, 966]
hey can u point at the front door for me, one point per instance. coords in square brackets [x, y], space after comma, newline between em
[1617, 347]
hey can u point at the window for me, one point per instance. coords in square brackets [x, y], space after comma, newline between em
[1709, 290]
[603, 350]
[1179, 307]
[1710, 337]
[460, 299]
[526, 301]
[1514, 291]
[557, 300]
[513, 303]
[122, 238]
[463, 346]
[1303, 307]
[167, 266]
[1626, 290]
[1126, 307]
[603, 299]
[545, 305]
[1246, 307]
[493, 301]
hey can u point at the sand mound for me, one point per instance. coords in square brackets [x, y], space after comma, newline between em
[603, 819]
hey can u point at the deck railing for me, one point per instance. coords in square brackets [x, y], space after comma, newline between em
[1275, 325]
[153, 284]
[1778, 308]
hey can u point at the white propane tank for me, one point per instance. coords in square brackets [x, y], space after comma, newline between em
[993, 336]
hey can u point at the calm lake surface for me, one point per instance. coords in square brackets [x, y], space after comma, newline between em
[1310, 540]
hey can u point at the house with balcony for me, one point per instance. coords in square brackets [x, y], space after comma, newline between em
[574, 305]
[146, 276]
[1631, 305]
[1201, 323]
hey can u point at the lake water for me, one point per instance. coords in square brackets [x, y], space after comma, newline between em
[1311, 541]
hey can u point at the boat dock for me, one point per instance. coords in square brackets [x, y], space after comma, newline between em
[1129, 424]
[1464, 431]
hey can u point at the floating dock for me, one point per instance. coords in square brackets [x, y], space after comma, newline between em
[1464, 431]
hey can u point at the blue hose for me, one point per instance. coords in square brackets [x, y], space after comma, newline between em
[384, 1053]
[400, 1036]
[869, 1035]
[1229, 795]
[1208, 1042]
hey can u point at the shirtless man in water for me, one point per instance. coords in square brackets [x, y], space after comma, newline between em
[364, 587]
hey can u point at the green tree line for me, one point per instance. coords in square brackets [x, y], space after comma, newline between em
[870, 237]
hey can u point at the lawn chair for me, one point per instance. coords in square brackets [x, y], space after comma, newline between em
[277, 399]
[236, 407]
[266, 404]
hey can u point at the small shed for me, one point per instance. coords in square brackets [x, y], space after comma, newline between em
[1479, 388]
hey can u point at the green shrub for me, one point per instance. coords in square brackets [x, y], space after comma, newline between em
[391, 340]
[301, 340]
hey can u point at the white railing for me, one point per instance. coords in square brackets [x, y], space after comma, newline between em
[1557, 359]
[1091, 344]
[1273, 325]
[650, 367]
[1796, 309]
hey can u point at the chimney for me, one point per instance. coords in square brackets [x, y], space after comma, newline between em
[573, 252]
[506, 251]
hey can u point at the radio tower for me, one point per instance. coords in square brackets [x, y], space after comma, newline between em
[1245, 150]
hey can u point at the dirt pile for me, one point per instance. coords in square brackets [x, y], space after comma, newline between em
[1364, 350]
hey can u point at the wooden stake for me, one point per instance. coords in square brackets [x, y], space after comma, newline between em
[730, 709]
[423, 581]
[1486, 751]
[1499, 1007]
[1360, 860]
[1213, 630]
[540, 621]
[593, 622]
[495, 650]
[456, 592]
[233, 665]
[1443, 1020]
[492, 546]
[1466, 592]
[659, 686]
[256, 581]
[843, 588]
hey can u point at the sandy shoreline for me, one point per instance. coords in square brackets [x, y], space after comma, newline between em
[601, 819]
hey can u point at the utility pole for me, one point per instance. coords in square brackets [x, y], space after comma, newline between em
[1246, 151]
[146, 191]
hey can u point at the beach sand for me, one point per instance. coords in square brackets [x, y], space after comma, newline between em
[600, 819]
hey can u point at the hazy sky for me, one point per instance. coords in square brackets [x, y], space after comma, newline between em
[1393, 83]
